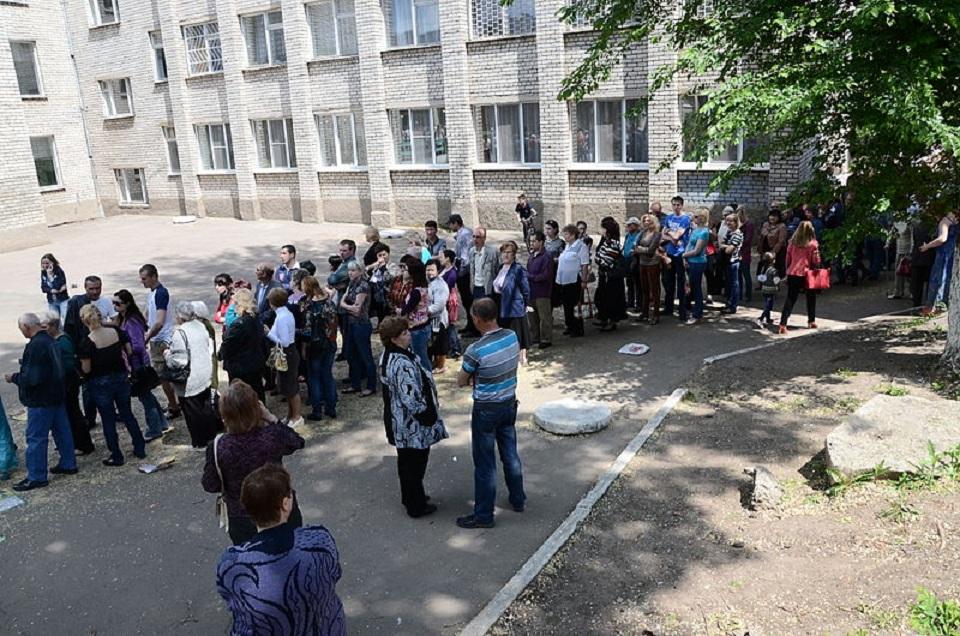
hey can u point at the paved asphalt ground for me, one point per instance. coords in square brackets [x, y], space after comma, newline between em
[113, 551]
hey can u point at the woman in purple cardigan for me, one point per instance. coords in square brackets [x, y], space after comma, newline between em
[254, 437]
[283, 581]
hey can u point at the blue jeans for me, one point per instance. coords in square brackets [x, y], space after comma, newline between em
[60, 308]
[42, 421]
[696, 289]
[767, 316]
[111, 393]
[419, 341]
[359, 356]
[453, 338]
[320, 383]
[152, 412]
[733, 280]
[941, 273]
[675, 285]
[494, 423]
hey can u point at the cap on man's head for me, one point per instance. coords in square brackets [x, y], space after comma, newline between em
[633, 221]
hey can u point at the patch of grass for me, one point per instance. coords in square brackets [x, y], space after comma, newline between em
[844, 372]
[843, 483]
[938, 467]
[847, 404]
[892, 390]
[899, 511]
[879, 618]
[858, 632]
[930, 616]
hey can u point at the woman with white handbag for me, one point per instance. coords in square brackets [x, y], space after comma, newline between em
[189, 367]
[284, 358]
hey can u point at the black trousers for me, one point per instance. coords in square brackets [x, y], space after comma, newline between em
[255, 380]
[570, 295]
[919, 278]
[202, 419]
[796, 284]
[466, 299]
[79, 426]
[411, 468]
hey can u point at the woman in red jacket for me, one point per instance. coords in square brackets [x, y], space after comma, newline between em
[803, 254]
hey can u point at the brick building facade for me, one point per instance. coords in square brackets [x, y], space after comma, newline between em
[367, 111]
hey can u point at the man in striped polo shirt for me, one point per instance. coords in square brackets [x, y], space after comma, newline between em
[490, 365]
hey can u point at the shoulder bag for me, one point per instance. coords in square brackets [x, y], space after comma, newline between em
[220, 508]
[178, 375]
[818, 279]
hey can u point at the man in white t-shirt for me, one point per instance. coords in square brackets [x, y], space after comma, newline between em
[159, 330]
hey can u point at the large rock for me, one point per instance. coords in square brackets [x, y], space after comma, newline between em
[895, 431]
[766, 491]
[572, 417]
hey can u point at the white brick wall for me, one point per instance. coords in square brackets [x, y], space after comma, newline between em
[459, 74]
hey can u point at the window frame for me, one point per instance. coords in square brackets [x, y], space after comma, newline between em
[56, 164]
[496, 131]
[207, 49]
[288, 143]
[207, 129]
[503, 20]
[638, 165]
[109, 91]
[338, 147]
[96, 16]
[391, 34]
[124, 179]
[169, 139]
[159, 57]
[709, 163]
[38, 76]
[433, 138]
[337, 34]
[264, 17]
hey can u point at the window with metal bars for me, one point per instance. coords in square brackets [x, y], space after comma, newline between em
[333, 28]
[204, 54]
[490, 19]
[341, 140]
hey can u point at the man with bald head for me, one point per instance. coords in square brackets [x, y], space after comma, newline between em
[484, 261]
[41, 385]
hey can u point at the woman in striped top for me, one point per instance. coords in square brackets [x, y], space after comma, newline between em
[610, 298]
[732, 242]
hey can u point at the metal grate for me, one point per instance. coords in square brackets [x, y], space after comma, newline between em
[490, 19]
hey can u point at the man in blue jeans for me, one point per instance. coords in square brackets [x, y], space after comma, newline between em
[42, 390]
[490, 364]
[676, 232]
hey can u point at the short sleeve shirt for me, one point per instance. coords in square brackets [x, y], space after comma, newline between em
[698, 234]
[671, 224]
[354, 289]
[571, 260]
[492, 361]
[159, 299]
[106, 360]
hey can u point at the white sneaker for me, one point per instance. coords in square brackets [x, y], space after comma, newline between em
[693, 321]
[295, 423]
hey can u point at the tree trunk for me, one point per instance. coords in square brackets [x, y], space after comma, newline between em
[950, 360]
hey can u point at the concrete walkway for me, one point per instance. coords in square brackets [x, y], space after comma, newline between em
[118, 552]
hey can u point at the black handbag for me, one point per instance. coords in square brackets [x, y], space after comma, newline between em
[178, 375]
[143, 380]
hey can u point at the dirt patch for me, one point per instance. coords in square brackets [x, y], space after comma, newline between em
[672, 550]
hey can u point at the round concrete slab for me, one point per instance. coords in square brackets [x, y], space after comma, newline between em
[572, 417]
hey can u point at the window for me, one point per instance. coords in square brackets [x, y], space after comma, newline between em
[732, 153]
[605, 133]
[216, 147]
[117, 101]
[159, 57]
[203, 48]
[173, 150]
[414, 22]
[341, 140]
[420, 136]
[274, 139]
[263, 34]
[45, 161]
[103, 12]
[27, 68]
[490, 18]
[332, 27]
[510, 133]
[133, 187]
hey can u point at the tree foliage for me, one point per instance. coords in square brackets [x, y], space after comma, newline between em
[875, 82]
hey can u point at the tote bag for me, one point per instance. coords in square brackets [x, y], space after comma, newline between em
[818, 279]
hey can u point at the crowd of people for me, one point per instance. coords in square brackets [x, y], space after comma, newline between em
[90, 354]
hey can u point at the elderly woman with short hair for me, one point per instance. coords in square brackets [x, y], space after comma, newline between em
[190, 352]
[411, 413]
[241, 350]
[253, 437]
[283, 335]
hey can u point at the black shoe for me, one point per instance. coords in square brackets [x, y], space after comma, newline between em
[110, 461]
[470, 522]
[428, 509]
[545, 345]
[26, 484]
[56, 470]
[85, 451]
[141, 455]
[314, 417]
[519, 508]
